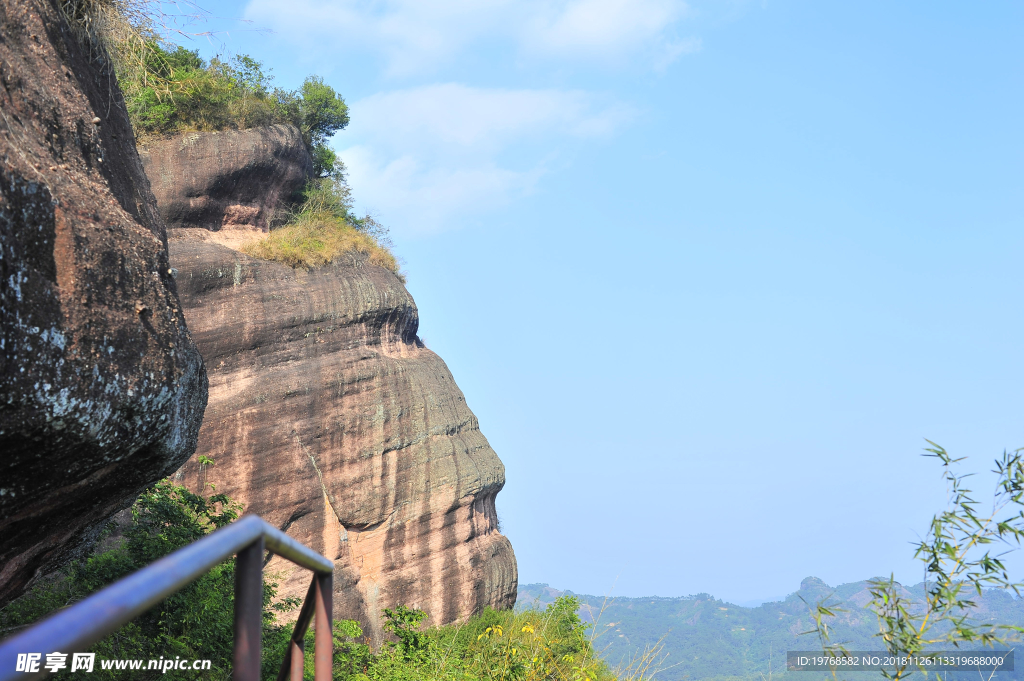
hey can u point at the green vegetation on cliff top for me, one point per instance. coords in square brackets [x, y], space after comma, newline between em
[170, 89]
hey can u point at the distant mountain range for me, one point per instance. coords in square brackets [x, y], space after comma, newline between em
[706, 639]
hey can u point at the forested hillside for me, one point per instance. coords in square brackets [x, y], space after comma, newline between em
[706, 638]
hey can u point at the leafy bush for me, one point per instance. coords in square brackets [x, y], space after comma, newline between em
[169, 89]
[196, 622]
[533, 645]
[322, 113]
[963, 559]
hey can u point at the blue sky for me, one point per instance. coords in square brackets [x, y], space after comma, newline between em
[708, 273]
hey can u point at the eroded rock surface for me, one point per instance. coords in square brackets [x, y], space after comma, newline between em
[330, 419]
[233, 178]
[101, 389]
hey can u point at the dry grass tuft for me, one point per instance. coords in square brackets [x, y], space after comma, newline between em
[324, 228]
[314, 241]
[124, 27]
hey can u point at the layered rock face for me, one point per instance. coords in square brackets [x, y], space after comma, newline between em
[330, 419]
[234, 178]
[101, 388]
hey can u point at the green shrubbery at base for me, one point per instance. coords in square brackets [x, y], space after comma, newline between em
[496, 645]
[197, 622]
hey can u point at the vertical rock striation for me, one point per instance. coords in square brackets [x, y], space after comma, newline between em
[101, 389]
[330, 419]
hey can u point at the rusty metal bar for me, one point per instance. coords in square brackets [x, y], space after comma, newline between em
[76, 628]
[280, 543]
[298, 660]
[299, 633]
[248, 612]
[323, 649]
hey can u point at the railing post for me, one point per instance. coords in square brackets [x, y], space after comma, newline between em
[298, 660]
[248, 612]
[323, 649]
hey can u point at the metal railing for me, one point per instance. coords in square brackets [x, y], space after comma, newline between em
[86, 622]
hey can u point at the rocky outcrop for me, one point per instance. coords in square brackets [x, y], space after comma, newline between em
[330, 419]
[233, 178]
[101, 389]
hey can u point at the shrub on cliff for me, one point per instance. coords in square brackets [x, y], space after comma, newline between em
[323, 228]
[170, 89]
[322, 112]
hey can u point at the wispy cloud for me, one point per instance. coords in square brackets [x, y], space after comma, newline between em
[597, 28]
[422, 155]
[417, 36]
[429, 156]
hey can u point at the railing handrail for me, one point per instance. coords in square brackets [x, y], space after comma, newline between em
[77, 627]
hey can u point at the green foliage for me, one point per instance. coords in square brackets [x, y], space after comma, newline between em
[495, 645]
[195, 623]
[707, 639]
[959, 568]
[169, 89]
[404, 623]
[323, 112]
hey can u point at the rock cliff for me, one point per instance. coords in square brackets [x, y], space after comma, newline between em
[234, 178]
[329, 418]
[101, 389]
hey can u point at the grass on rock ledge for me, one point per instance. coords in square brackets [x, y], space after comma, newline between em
[324, 228]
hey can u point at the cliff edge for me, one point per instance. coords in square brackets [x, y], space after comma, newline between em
[330, 419]
[101, 389]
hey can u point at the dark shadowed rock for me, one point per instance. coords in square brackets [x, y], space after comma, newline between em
[101, 389]
[233, 178]
[329, 418]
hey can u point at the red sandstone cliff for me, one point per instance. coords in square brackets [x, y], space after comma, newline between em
[329, 418]
[256, 172]
[101, 388]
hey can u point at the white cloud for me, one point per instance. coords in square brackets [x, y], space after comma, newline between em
[600, 27]
[424, 155]
[481, 119]
[417, 36]
[415, 196]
